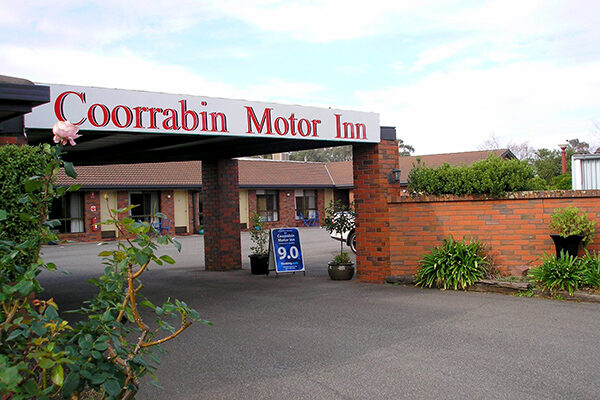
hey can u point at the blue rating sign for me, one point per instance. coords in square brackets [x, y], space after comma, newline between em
[286, 250]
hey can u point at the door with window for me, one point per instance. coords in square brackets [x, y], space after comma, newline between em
[147, 203]
[68, 209]
[267, 205]
[306, 203]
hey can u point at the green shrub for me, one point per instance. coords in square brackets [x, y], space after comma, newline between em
[21, 222]
[569, 221]
[561, 182]
[492, 176]
[590, 263]
[454, 264]
[554, 274]
[43, 356]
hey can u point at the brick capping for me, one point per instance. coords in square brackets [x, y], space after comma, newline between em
[543, 194]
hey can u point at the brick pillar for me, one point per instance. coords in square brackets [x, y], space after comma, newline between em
[372, 164]
[220, 197]
[167, 207]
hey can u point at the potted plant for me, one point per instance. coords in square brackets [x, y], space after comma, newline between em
[259, 235]
[572, 228]
[339, 219]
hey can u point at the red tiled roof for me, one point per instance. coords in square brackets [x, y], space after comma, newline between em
[188, 174]
[265, 173]
[255, 173]
[406, 163]
[185, 174]
[341, 173]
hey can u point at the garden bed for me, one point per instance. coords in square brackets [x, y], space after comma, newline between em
[515, 288]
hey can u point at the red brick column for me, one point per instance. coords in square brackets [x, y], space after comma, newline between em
[167, 207]
[372, 164]
[287, 208]
[220, 195]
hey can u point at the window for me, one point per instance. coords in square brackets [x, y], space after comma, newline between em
[68, 209]
[147, 204]
[267, 205]
[306, 203]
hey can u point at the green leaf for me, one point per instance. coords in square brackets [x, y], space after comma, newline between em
[71, 383]
[69, 169]
[141, 258]
[167, 259]
[31, 387]
[107, 316]
[27, 217]
[112, 387]
[85, 342]
[38, 328]
[3, 215]
[10, 376]
[46, 363]
[177, 245]
[32, 184]
[74, 188]
[100, 346]
[57, 375]
[99, 378]
[51, 313]
[147, 303]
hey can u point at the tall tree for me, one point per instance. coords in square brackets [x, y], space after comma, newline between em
[405, 149]
[328, 154]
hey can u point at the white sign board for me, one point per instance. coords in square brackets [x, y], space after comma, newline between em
[117, 110]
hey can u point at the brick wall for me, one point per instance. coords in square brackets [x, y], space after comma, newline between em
[514, 229]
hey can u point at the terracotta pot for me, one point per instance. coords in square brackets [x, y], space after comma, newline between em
[341, 272]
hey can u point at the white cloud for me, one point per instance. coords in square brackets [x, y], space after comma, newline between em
[125, 70]
[117, 70]
[440, 53]
[456, 110]
[325, 20]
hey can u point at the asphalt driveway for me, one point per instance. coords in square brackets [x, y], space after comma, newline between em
[297, 337]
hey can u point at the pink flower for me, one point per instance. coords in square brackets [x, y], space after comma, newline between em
[64, 132]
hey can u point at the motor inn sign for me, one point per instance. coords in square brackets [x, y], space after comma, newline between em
[120, 110]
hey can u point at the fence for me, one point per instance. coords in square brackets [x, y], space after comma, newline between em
[514, 229]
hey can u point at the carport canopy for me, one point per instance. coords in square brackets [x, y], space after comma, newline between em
[125, 126]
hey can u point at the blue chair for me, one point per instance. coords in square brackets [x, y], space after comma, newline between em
[165, 225]
[316, 219]
[305, 221]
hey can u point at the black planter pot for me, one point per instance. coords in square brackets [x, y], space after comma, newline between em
[259, 264]
[570, 244]
[341, 272]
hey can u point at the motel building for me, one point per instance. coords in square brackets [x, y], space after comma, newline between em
[187, 156]
[283, 193]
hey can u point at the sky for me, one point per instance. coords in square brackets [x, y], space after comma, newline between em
[448, 75]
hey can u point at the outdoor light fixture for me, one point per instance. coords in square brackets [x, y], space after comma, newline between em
[394, 176]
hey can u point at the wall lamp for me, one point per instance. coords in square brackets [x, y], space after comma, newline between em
[394, 176]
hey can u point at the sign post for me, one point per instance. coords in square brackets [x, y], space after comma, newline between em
[285, 252]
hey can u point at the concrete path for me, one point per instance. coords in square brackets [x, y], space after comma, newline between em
[297, 337]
